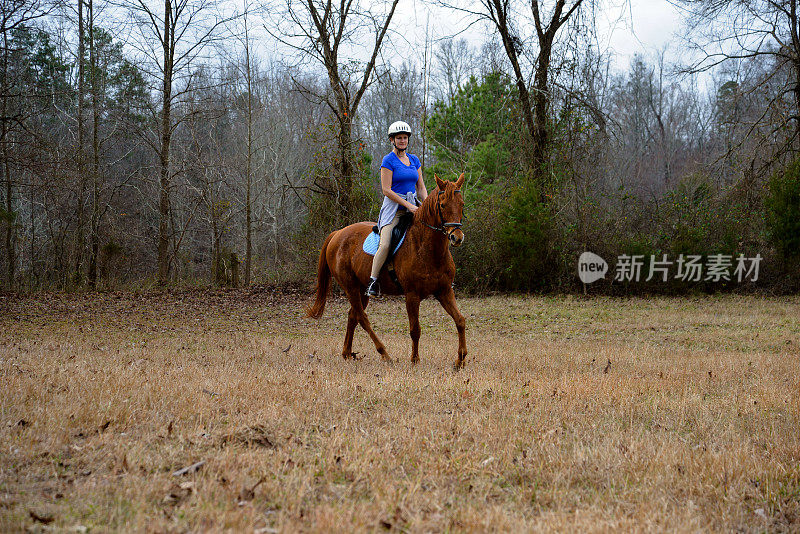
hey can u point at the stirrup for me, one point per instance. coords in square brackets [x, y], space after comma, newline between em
[373, 289]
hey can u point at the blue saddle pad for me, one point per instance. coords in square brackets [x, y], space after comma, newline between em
[371, 244]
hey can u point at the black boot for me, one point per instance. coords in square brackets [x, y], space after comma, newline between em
[374, 288]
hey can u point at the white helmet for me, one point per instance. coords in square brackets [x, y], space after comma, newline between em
[399, 127]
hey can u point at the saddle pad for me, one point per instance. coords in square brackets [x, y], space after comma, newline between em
[371, 244]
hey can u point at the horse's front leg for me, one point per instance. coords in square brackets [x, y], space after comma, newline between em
[447, 298]
[412, 307]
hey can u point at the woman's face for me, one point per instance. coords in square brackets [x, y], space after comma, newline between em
[401, 141]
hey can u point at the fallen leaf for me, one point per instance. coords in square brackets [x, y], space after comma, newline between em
[177, 494]
[252, 435]
[41, 517]
[247, 494]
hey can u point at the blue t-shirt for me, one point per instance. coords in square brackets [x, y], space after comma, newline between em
[404, 177]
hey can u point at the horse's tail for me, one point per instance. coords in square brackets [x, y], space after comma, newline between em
[323, 283]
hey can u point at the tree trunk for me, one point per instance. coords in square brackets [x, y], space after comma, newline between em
[166, 138]
[217, 269]
[94, 248]
[501, 22]
[32, 274]
[4, 139]
[249, 222]
[10, 222]
[346, 104]
[81, 155]
[248, 202]
[346, 168]
[541, 98]
[234, 259]
[797, 102]
[793, 23]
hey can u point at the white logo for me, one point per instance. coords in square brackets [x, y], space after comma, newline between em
[591, 267]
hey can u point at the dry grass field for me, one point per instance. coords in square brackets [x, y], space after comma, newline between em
[571, 414]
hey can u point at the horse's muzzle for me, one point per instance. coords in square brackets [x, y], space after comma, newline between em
[456, 237]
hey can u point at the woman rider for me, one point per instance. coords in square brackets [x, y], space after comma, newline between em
[403, 189]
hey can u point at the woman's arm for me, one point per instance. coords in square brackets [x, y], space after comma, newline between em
[386, 187]
[422, 191]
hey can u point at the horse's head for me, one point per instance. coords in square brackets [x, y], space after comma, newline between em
[451, 208]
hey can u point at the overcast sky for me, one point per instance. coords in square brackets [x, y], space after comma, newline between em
[647, 25]
[629, 27]
[624, 27]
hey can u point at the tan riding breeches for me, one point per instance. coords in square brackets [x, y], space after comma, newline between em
[383, 245]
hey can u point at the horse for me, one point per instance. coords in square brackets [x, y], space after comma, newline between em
[423, 267]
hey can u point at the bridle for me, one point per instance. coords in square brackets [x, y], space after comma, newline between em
[445, 225]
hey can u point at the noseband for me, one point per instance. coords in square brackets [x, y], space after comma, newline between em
[445, 225]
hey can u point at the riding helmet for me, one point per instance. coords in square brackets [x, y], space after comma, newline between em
[399, 127]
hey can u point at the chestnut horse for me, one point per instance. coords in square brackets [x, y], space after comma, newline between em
[423, 266]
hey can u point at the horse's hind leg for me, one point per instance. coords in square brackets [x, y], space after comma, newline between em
[352, 321]
[357, 309]
[447, 299]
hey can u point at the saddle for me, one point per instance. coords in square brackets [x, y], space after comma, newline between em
[398, 232]
[398, 236]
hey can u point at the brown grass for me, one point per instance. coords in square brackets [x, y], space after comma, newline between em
[692, 427]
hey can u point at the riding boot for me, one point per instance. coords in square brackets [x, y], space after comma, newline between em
[374, 288]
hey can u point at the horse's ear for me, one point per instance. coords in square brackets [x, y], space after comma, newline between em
[460, 181]
[439, 182]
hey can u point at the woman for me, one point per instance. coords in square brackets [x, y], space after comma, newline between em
[403, 189]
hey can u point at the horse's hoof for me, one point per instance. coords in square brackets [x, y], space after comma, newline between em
[414, 361]
[458, 366]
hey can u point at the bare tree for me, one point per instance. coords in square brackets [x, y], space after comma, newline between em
[172, 39]
[398, 95]
[455, 62]
[81, 140]
[247, 68]
[510, 21]
[656, 123]
[248, 72]
[14, 15]
[96, 216]
[733, 30]
[324, 31]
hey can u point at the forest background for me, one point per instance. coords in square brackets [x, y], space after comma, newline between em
[155, 142]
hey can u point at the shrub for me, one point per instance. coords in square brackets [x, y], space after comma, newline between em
[524, 241]
[783, 211]
[478, 268]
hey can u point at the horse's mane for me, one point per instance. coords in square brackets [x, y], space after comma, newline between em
[427, 212]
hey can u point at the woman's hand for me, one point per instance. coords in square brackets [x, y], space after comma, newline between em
[411, 207]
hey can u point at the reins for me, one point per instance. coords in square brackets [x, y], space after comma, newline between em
[445, 225]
